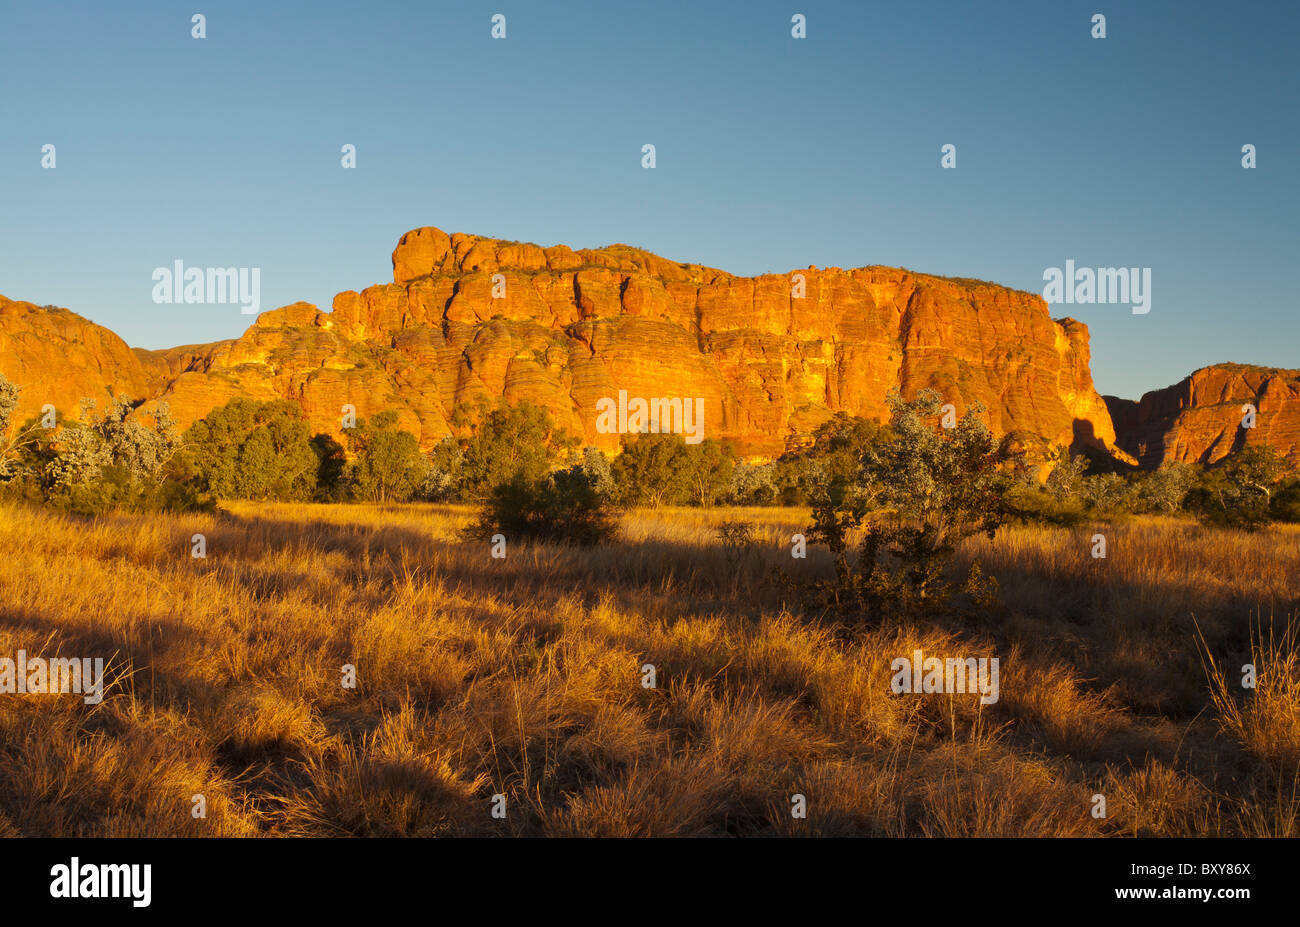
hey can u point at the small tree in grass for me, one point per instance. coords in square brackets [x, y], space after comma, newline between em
[563, 507]
[1240, 492]
[507, 441]
[387, 465]
[939, 485]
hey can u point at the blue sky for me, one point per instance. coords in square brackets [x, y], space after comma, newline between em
[773, 153]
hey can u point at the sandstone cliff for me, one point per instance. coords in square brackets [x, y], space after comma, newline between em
[470, 318]
[59, 358]
[1200, 418]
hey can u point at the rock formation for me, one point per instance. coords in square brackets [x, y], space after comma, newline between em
[469, 318]
[59, 358]
[1200, 419]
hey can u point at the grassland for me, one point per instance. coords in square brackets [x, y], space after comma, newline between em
[523, 677]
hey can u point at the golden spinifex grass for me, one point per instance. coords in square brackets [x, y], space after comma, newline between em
[522, 677]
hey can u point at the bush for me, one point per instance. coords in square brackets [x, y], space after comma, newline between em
[113, 490]
[1163, 491]
[441, 481]
[1034, 504]
[12, 441]
[832, 458]
[260, 450]
[507, 441]
[1286, 502]
[387, 465]
[941, 485]
[113, 462]
[662, 469]
[561, 507]
[599, 471]
[1245, 490]
[752, 485]
[331, 463]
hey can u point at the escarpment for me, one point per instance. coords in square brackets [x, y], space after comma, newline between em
[468, 318]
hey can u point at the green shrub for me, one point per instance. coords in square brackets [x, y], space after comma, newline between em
[1243, 489]
[940, 486]
[506, 441]
[256, 450]
[561, 507]
[662, 469]
[387, 465]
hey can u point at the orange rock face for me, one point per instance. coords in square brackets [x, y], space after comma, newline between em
[1201, 418]
[469, 318]
[58, 358]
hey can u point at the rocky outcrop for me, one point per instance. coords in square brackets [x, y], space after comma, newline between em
[58, 358]
[1202, 418]
[469, 318]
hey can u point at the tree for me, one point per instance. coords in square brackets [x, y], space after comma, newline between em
[707, 469]
[650, 470]
[508, 441]
[598, 470]
[838, 513]
[248, 449]
[115, 461]
[1106, 492]
[1239, 492]
[948, 480]
[441, 481]
[331, 462]
[830, 459]
[840, 443]
[12, 440]
[387, 465]
[1163, 490]
[1065, 482]
[662, 469]
[142, 450]
[941, 486]
[1286, 501]
[117, 439]
[752, 484]
[78, 457]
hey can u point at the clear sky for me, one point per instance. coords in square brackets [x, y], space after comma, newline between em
[772, 153]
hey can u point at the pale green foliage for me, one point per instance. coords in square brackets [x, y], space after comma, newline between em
[752, 484]
[947, 479]
[598, 470]
[1164, 490]
[441, 481]
[1065, 482]
[8, 401]
[940, 487]
[1106, 492]
[9, 445]
[83, 455]
[115, 440]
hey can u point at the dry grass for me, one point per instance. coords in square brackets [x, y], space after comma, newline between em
[522, 677]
